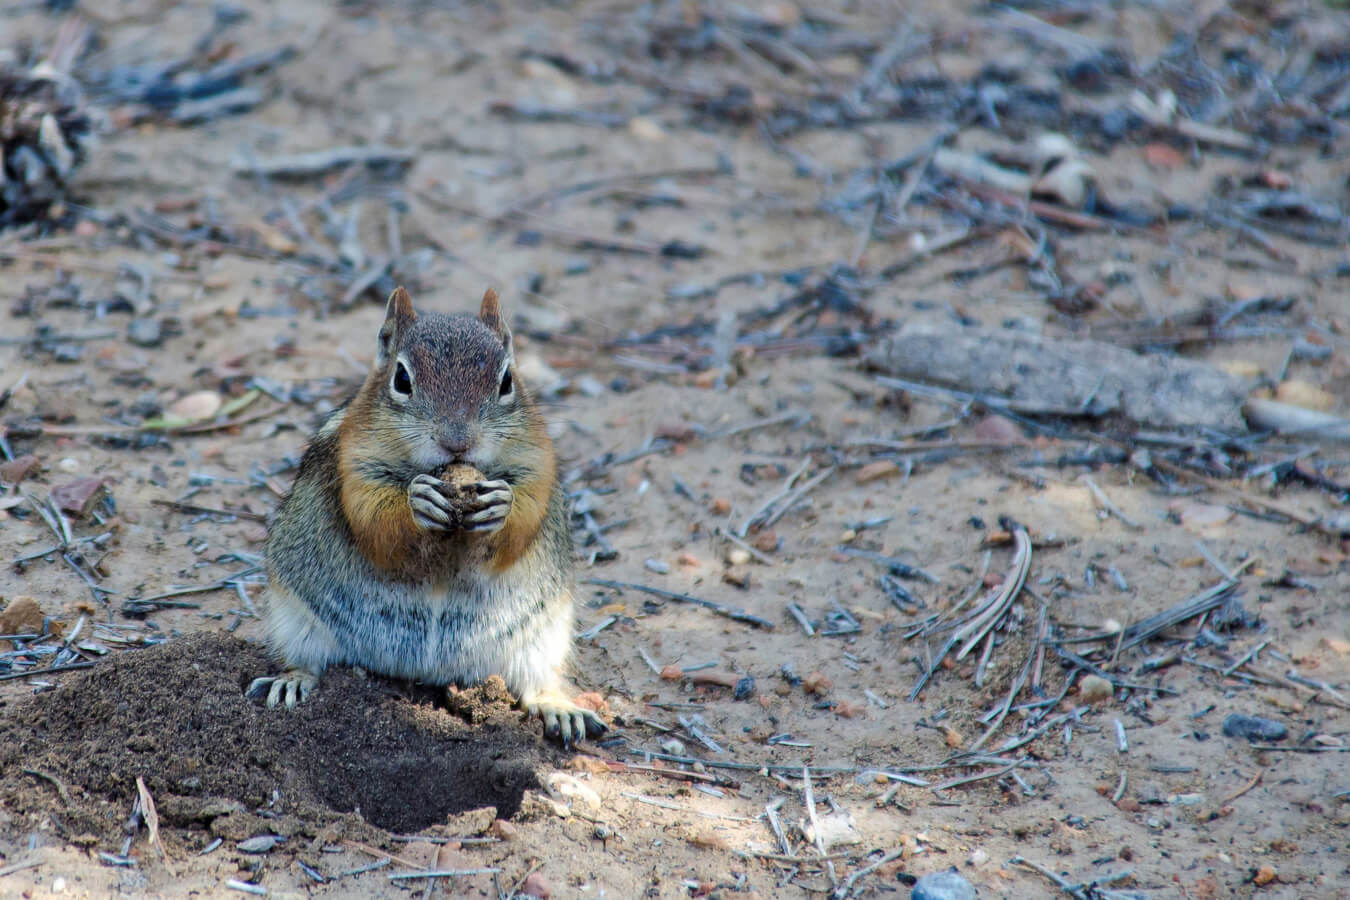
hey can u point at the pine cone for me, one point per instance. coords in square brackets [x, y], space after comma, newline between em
[45, 132]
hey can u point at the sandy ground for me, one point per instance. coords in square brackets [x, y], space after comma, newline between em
[1200, 814]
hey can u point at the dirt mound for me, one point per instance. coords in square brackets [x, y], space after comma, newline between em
[176, 715]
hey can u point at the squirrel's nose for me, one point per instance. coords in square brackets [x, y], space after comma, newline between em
[454, 440]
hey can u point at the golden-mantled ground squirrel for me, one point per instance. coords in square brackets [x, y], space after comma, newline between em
[375, 561]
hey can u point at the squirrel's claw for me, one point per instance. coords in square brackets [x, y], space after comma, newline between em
[438, 506]
[488, 509]
[565, 721]
[288, 688]
[432, 510]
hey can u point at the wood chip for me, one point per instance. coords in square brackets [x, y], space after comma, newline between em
[875, 471]
[79, 497]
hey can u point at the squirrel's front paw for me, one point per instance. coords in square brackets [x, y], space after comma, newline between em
[441, 506]
[434, 503]
[487, 506]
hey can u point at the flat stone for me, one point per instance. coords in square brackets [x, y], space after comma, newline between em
[19, 468]
[145, 332]
[1254, 728]
[942, 886]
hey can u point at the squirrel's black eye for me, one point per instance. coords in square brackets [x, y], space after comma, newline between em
[402, 380]
[506, 384]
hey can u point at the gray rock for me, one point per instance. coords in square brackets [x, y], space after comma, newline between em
[68, 352]
[261, 843]
[591, 387]
[942, 886]
[145, 332]
[1042, 374]
[1254, 728]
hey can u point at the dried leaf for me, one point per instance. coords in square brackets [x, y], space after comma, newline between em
[78, 497]
[196, 407]
[151, 817]
[874, 471]
[1305, 394]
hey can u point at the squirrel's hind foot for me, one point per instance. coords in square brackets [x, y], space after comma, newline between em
[289, 688]
[564, 720]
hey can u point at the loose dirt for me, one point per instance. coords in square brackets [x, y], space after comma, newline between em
[176, 715]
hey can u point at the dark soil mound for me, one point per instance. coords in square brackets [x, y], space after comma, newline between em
[176, 715]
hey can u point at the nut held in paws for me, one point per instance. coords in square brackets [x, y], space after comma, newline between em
[461, 476]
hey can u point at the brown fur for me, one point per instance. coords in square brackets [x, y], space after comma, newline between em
[378, 513]
[529, 506]
[380, 520]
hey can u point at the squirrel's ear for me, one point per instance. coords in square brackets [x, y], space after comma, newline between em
[398, 315]
[491, 315]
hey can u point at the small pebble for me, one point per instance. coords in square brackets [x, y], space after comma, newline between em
[145, 332]
[591, 387]
[673, 746]
[146, 405]
[536, 886]
[260, 844]
[577, 267]
[978, 857]
[58, 885]
[942, 886]
[561, 810]
[738, 557]
[1254, 728]
[745, 688]
[766, 541]
[19, 468]
[816, 683]
[78, 497]
[874, 471]
[68, 352]
[998, 430]
[1095, 689]
[847, 709]
[737, 576]
[659, 566]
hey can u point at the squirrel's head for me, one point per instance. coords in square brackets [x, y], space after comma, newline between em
[447, 384]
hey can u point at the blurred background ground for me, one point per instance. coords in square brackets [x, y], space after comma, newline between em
[701, 218]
